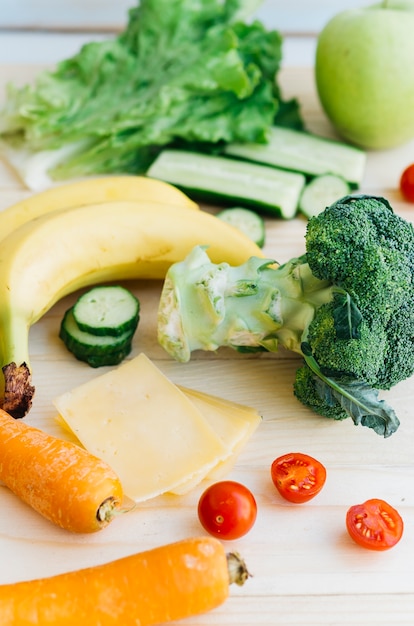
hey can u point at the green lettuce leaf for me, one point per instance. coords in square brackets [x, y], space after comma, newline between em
[182, 71]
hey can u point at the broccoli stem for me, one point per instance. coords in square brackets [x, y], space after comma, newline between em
[256, 305]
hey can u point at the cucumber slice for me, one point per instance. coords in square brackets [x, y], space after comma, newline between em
[321, 192]
[249, 222]
[95, 350]
[304, 152]
[107, 310]
[230, 181]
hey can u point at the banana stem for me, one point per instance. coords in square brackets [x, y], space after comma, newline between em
[16, 388]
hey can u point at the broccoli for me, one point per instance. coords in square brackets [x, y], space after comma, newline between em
[346, 306]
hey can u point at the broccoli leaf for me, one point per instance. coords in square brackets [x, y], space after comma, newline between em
[361, 402]
[347, 316]
[357, 398]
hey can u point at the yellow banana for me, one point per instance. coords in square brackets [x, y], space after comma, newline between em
[91, 191]
[60, 252]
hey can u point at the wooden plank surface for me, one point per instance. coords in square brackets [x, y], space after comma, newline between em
[306, 570]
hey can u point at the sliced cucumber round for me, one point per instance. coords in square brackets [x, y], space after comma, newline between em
[107, 310]
[321, 192]
[247, 221]
[96, 350]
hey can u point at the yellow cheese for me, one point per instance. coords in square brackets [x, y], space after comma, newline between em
[146, 428]
[233, 423]
[234, 414]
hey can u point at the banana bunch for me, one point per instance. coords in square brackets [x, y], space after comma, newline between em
[86, 233]
[88, 191]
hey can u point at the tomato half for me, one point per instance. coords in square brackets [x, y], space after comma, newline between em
[227, 510]
[375, 524]
[298, 477]
[407, 183]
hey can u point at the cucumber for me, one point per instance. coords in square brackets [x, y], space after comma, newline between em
[321, 192]
[95, 350]
[227, 181]
[99, 327]
[303, 152]
[107, 310]
[247, 221]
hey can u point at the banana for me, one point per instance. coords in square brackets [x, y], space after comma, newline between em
[60, 252]
[91, 191]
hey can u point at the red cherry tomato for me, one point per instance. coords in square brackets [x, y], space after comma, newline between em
[298, 477]
[227, 510]
[407, 183]
[374, 525]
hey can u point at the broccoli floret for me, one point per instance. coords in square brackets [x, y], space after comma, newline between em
[398, 363]
[347, 357]
[346, 305]
[361, 245]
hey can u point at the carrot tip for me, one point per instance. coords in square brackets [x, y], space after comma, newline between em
[107, 509]
[238, 572]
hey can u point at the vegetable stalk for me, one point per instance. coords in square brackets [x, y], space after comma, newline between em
[256, 306]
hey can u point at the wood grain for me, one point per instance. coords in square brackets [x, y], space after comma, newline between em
[306, 570]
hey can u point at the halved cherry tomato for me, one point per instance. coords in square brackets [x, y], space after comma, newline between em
[407, 183]
[375, 524]
[227, 510]
[298, 477]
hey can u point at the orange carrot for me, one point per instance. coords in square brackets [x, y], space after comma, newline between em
[171, 582]
[59, 479]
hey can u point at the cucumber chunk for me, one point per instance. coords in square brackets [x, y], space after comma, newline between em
[107, 310]
[95, 350]
[305, 152]
[247, 221]
[321, 192]
[230, 181]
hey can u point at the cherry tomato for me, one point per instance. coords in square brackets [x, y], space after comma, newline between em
[298, 477]
[407, 183]
[374, 525]
[227, 510]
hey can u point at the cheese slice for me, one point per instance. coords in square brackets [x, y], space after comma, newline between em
[146, 428]
[233, 423]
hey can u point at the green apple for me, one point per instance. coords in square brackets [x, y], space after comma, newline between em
[364, 72]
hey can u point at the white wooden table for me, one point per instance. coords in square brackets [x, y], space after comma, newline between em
[306, 570]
